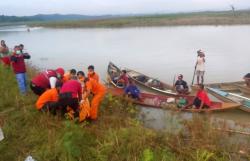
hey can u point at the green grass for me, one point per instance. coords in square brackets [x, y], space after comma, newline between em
[116, 136]
[200, 18]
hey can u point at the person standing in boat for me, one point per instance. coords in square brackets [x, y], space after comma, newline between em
[200, 67]
[247, 79]
[181, 86]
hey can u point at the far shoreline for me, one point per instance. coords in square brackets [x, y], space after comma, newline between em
[226, 18]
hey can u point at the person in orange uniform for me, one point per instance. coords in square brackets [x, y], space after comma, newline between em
[69, 75]
[98, 90]
[92, 74]
[80, 76]
[48, 101]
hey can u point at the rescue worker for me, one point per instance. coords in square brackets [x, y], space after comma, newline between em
[80, 76]
[48, 101]
[70, 96]
[92, 74]
[19, 68]
[46, 80]
[70, 75]
[98, 90]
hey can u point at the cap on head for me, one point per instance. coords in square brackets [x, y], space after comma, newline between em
[180, 76]
[60, 71]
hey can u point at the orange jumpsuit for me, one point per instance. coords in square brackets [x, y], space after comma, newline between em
[99, 91]
[51, 95]
[94, 76]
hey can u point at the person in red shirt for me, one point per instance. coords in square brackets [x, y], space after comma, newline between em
[201, 100]
[123, 79]
[19, 68]
[46, 80]
[71, 95]
[98, 90]
[92, 74]
[48, 101]
[4, 54]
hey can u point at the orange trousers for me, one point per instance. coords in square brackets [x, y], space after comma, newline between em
[95, 103]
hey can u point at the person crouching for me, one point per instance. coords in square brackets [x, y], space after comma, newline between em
[201, 100]
[48, 101]
[70, 96]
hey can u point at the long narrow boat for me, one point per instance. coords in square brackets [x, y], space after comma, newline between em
[231, 97]
[151, 83]
[165, 102]
[159, 101]
[243, 88]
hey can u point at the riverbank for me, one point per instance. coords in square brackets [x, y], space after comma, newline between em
[117, 135]
[180, 19]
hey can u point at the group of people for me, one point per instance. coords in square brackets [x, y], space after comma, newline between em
[58, 91]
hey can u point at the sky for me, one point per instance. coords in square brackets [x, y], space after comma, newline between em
[102, 7]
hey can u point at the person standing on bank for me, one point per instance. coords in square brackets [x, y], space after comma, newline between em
[19, 68]
[200, 67]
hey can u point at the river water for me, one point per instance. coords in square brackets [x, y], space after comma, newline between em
[161, 52]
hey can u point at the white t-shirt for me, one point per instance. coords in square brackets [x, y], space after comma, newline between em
[200, 64]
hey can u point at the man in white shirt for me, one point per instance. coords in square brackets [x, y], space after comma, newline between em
[200, 67]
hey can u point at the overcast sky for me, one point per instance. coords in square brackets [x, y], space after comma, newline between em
[100, 7]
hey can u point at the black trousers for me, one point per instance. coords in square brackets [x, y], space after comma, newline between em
[65, 100]
[52, 107]
[36, 89]
[197, 103]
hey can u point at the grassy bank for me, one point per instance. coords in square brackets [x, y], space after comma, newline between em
[201, 18]
[116, 136]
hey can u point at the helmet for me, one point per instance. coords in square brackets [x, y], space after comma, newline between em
[60, 71]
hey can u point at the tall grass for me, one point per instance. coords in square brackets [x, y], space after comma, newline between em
[116, 136]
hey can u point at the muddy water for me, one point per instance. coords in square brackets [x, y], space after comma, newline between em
[161, 52]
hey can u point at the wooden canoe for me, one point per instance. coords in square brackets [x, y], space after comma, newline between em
[231, 97]
[243, 88]
[160, 101]
[151, 83]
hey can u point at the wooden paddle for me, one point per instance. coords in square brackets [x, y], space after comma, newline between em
[193, 75]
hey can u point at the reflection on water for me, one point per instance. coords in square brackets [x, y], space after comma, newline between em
[171, 121]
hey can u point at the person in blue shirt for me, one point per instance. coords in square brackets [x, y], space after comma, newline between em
[132, 90]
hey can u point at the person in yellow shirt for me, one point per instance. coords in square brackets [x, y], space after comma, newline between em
[92, 74]
[98, 90]
[48, 101]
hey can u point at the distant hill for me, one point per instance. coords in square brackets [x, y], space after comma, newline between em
[50, 17]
